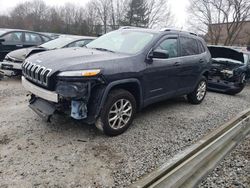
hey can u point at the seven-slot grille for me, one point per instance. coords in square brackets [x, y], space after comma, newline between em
[36, 73]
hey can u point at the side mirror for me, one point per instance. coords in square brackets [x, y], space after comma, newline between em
[160, 54]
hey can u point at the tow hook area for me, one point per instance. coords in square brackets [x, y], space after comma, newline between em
[43, 108]
[78, 109]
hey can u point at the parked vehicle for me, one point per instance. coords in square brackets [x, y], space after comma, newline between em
[14, 59]
[116, 75]
[13, 39]
[230, 69]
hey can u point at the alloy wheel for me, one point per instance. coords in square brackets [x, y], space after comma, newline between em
[120, 113]
[201, 91]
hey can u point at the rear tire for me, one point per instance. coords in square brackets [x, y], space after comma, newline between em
[197, 96]
[117, 113]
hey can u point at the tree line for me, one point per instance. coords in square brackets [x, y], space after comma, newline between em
[96, 17]
[214, 19]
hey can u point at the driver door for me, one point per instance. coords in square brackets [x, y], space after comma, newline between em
[160, 76]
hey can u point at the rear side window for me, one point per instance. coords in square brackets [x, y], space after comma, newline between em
[189, 46]
[33, 38]
[79, 43]
[45, 39]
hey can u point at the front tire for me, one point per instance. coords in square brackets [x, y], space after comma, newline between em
[198, 95]
[117, 113]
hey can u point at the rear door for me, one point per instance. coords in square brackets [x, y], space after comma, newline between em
[32, 39]
[12, 41]
[191, 64]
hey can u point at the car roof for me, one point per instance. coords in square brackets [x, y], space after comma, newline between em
[162, 31]
[77, 37]
[9, 30]
[137, 29]
[6, 30]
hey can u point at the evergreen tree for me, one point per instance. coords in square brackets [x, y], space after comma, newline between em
[137, 14]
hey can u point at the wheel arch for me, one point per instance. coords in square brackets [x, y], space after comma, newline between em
[205, 73]
[132, 85]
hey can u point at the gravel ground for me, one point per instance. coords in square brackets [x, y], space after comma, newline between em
[66, 153]
[233, 171]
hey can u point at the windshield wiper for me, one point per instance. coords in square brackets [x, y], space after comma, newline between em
[103, 49]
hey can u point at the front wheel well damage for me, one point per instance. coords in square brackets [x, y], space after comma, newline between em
[131, 87]
[206, 74]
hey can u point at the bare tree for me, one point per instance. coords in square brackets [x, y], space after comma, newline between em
[92, 19]
[102, 7]
[219, 18]
[159, 14]
[118, 12]
[98, 16]
[29, 15]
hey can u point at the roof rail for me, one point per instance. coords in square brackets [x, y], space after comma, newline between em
[178, 30]
[130, 27]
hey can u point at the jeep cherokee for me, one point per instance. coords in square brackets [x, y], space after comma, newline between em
[116, 75]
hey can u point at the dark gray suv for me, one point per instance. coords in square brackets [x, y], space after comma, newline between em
[117, 75]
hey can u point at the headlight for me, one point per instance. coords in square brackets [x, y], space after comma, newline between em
[72, 89]
[80, 73]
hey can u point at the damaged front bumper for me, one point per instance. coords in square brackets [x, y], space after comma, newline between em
[40, 92]
[69, 97]
[223, 86]
[42, 107]
[7, 65]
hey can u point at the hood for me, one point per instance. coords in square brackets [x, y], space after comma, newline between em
[227, 53]
[21, 54]
[76, 59]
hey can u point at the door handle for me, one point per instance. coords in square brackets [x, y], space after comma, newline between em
[201, 61]
[19, 45]
[176, 64]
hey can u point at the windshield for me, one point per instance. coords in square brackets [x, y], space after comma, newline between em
[123, 41]
[58, 43]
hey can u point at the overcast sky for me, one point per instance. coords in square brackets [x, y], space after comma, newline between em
[178, 7]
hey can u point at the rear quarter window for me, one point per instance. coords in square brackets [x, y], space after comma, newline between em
[45, 39]
[201, 47]
[189, 46]
[33, 38]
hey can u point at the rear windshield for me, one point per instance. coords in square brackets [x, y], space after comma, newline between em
[58, 43]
